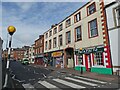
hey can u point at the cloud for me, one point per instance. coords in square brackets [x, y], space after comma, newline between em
[32, 19]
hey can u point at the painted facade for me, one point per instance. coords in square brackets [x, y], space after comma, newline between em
[84, 40]
[113, 23]
[32, 54]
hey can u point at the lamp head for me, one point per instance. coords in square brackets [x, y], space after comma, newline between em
[11, 30]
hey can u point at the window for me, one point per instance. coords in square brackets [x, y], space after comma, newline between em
[68, 23]
[60, 40]
[91, 9]
[46, 35]
[78, 34]
[50, 33]
[80, 59]
[93, 28]
[98, 58]
[46, 45]
[50, 44]
[77, 17]
[55, 30]
[54, 42]
[60, 27]
[118, 15]
[68, 37]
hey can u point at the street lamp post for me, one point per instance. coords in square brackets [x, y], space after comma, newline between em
[11, 30]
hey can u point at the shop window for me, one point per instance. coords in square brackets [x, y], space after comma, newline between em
[80, 59]
[78, 34]
[91, 9]
[68, 23]
[93, 31]
[68, 37]
[98, 59]
[77, 17]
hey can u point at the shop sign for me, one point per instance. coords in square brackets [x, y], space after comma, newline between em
[56, 54]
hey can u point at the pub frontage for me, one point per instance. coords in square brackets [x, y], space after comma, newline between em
[91, 59]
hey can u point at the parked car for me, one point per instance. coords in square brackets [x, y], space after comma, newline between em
[25, 62]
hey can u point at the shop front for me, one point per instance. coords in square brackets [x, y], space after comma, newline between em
[39, 59]
[92, 60]
[57, 58]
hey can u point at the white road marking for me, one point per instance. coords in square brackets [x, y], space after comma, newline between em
[6, 78]
[31, 79]
[44, 75]
[46, 68]
[80, 81]
[47, 85]
[28, 86]
[68, 83]
[98, 81]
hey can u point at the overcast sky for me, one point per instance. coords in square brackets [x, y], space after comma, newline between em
[33, 18]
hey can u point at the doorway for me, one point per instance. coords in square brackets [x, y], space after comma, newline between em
[88, 62]
[69, 57]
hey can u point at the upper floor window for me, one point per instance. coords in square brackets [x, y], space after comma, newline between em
[93, 31]
[68, 22]
[60, 27]
[77, 17]
[50, 33]
[50, 42]
[60, 40]
[91, 9]
[54, 42]
[78, 34]
[46, 45]
[46, 35]
[55, 30]
[118, 15]
[68, 37]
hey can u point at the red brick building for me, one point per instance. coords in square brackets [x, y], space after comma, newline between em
[39, 49]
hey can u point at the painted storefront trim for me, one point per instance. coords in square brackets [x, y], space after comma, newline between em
[101, 70]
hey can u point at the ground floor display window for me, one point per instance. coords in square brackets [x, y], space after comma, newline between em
[98, 59]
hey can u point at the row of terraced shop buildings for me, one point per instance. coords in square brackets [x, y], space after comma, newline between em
[87, 38]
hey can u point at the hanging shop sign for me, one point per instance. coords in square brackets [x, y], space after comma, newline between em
[57, 54]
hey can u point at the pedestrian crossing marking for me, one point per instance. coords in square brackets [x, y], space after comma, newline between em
[97, 81]
[80, 81]
[28, 86]
[68, 83]
[47, 85]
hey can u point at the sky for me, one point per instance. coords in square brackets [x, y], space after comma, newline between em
[32, 18]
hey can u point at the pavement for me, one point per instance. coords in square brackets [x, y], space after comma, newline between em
[108, 78]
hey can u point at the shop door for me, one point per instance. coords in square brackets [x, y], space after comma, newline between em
[88, 62]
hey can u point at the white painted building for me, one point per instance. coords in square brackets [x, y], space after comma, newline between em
[31, 54]
[80, 40]
[1, 42]
[113, 24]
